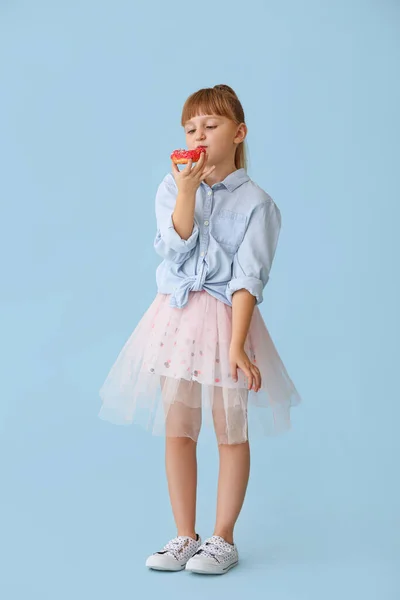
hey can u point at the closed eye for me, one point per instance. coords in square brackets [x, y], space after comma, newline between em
[208, 127]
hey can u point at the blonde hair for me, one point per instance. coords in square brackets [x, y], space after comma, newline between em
[220, 100]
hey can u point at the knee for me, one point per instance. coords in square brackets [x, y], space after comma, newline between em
[230, 426]
[183, 423]
[182, 442]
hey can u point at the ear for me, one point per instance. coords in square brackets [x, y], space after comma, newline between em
[240, 133]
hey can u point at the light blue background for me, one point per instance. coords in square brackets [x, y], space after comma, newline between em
[91, 95]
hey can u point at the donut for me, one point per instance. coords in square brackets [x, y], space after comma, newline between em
[181, 157]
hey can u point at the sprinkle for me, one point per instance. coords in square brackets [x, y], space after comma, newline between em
[217, 380]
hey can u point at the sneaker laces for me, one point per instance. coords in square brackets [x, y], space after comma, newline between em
[176, 546]
[214, 547]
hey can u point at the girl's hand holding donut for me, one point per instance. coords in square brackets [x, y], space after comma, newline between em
[189, 179]
[239, 359]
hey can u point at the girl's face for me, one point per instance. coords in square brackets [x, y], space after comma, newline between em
[220, 135]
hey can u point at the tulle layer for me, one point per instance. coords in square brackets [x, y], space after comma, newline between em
[173, 374]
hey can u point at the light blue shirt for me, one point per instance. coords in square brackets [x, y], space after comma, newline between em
[232, 245]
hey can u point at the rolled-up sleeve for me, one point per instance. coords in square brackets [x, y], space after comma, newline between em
[253, 260]
[168, 243]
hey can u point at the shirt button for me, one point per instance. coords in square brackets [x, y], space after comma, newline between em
[206, 223]
[210, 193]
[202, 253]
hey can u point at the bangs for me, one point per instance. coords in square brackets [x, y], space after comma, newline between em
[208, 102]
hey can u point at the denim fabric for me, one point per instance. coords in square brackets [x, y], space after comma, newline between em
[232, 245]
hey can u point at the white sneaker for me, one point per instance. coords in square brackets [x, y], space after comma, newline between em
[175, 554]
[214, 557]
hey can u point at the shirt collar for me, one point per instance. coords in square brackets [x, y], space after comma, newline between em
[233, 180]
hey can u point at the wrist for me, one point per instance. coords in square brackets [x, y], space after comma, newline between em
[187, 192]
[236, 345]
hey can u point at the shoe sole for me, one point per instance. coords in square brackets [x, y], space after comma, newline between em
[180, 568]
[166, 565]
[217, 571]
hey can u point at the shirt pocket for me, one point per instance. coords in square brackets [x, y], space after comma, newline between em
[228, 229]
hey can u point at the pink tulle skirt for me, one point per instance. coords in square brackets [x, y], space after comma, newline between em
[173, 373]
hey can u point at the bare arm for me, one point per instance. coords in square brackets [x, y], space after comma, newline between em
[242, 311]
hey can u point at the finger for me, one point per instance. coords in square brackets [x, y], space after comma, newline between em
[210, 170]
[257, 377]
[248, 372]
[207, 173]
[253, 369]
[188, 167]
[199, 164]
[234, 371]
[250, 381]
[175, 167]
[202, 158]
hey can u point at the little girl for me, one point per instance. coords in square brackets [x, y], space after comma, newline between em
[202, 349]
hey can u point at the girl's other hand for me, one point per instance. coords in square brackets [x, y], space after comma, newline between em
[189, 179]
[239, 359]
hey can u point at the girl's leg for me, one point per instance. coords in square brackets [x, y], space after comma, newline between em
[234, 464]
[181, 469]
[183, 425]
[234, 470]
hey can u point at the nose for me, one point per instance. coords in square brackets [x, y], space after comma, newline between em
[200, 135]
